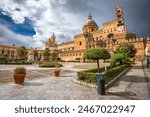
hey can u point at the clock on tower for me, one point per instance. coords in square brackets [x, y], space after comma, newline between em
[120, 28]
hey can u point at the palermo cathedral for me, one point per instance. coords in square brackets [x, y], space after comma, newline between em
[112, 34]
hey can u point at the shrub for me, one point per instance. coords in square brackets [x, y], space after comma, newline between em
[119, 59]
[20, 70]
[111, 73]
[127, 49]
[50, 64]
[16, 63]
[89, 76]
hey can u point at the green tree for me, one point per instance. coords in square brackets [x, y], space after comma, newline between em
[96, 54]
[35, 54]
[4, 58]
[127, 49]
[106, 54]
[22, 52]
[47, 53]
[119, 59]
[54, 55]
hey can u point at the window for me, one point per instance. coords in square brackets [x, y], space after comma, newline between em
[80, 43]
[111, 30]
[108, 30]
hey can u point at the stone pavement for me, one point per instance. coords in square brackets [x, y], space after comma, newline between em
[133, 85]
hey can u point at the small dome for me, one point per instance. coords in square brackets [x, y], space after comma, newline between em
[90, 25]
[90, 21]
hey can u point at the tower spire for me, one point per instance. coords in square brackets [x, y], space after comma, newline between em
[90, 16]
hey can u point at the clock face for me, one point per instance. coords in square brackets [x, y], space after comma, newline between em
[120, 28]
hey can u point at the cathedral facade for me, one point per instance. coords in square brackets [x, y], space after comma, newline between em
[112, 34]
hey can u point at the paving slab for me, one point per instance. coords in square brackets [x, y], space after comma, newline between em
[132, 85]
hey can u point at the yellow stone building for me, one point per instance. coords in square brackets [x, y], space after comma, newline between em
[12, 53]
[112, 34]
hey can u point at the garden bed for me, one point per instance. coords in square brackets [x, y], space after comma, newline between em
[50, 64]
[89, 76]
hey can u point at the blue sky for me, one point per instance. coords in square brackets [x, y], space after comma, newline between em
[31, 22]
[25, 28]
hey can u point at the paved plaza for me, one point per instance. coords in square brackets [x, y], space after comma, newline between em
[40, 84]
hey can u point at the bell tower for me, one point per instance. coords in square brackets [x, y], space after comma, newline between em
[119, 15]
[120, 19]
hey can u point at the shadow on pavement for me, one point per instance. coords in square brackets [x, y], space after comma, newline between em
[134, 79]
[33, 84]
[137, 67]
[127, 95]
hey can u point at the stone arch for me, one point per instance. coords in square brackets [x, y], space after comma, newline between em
[111, 37]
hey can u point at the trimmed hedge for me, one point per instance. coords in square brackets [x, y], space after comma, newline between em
[112, 73]
[16, 63]
[89, 76]
[50, 64]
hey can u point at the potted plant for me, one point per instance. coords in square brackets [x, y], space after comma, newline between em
[57, 71]
[19, 75]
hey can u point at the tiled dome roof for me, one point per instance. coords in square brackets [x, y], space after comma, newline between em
[90, 21]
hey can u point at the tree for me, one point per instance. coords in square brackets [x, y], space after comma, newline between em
[106, 54]
[119, 59]
[96, 54]
[127, 49]
[35, 54]
[4, 58]
[54, 55]
[22, 52]
[47, 53]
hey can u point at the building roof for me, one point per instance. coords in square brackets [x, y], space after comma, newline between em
[90, 21]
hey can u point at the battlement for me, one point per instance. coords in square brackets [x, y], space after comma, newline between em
[110, 22]
[138, 39]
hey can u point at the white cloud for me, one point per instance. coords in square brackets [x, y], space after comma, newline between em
[48, 16]
[9, 37]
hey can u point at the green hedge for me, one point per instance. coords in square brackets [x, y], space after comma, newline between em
[112, 73]
[89, 76]
[16, 63]
[50, 64]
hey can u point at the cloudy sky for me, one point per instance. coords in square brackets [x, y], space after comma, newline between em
[31, 22]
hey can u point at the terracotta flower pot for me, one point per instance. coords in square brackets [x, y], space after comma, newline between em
[19, 78]
[56, 72]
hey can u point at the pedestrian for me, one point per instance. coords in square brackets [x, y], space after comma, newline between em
[147, 54]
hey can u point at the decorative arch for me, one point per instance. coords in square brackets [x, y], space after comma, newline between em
[111, 37]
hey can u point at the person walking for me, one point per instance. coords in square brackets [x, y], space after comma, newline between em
[147, 54]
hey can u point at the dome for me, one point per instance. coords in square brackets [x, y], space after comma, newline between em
[90, 25]
[90, 21]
